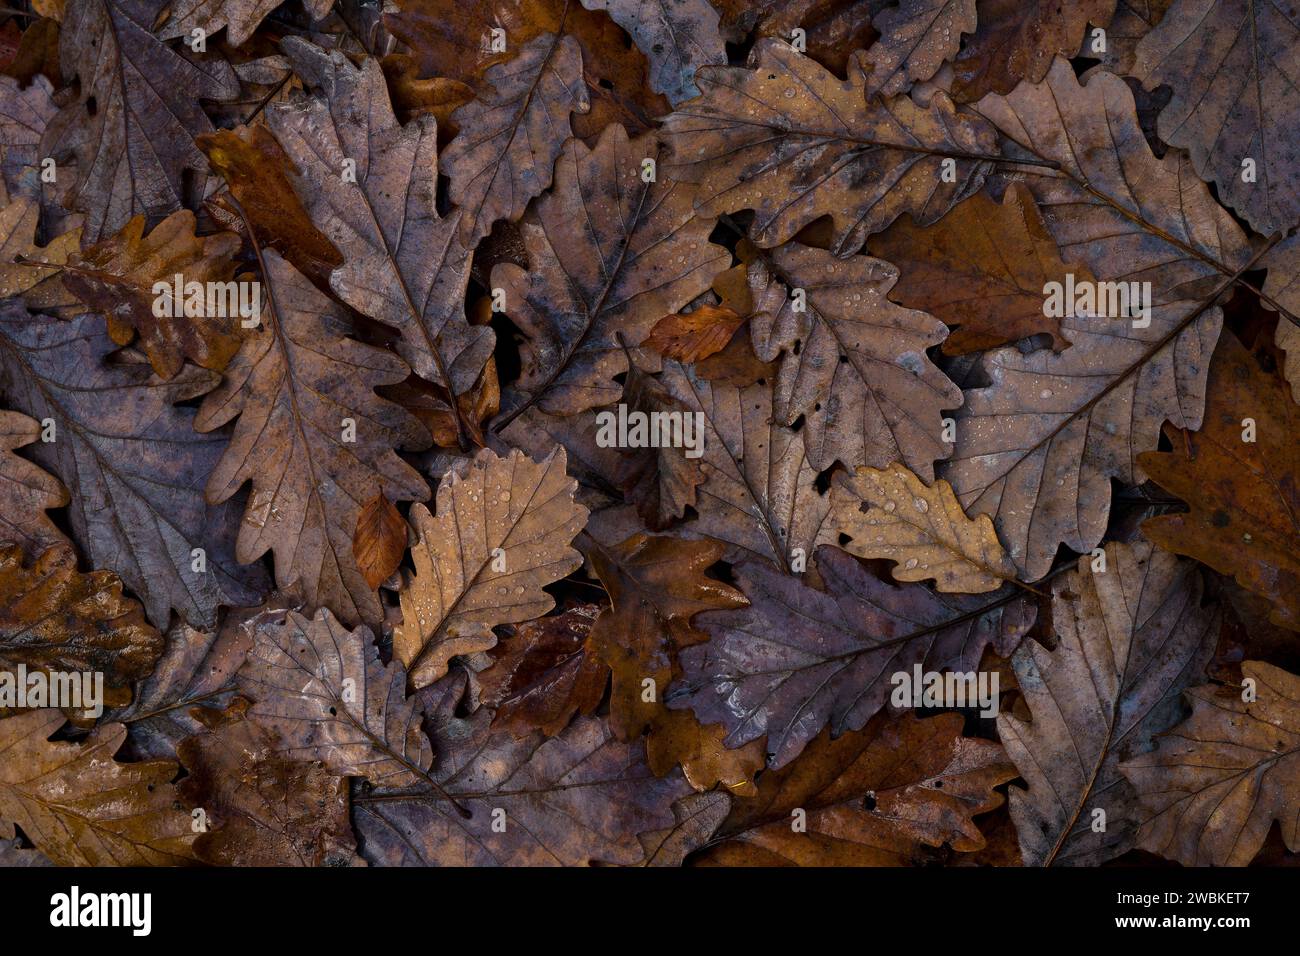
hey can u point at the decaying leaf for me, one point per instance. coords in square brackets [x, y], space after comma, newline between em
[542, 676]
[1215, 784]
[677, 37]
[760, 493]
[982, 267]
[512, 132]
[39, 286]
[117, 276]
[656, 586]
[138, 464]
[1017, 39]
[799, 659]
[24, 114]
[132, 128]
[873, 797]
[239, 17]
[890, 513]
[1283, 285]
[379, 541]
[1234, 69]
[1132, 636]
[502, 533]
[691, 336]
[662, 482]
[916, 38]
[80, 806]
[854, 365]
[313, 438]
[370, 186]
[257, 173]
[259, 807]
[54, 619]
[1238, 475]
[789, 140]
[570, 800]
[323, 693]
[1036, 450]
[26, 491]
[611, 254]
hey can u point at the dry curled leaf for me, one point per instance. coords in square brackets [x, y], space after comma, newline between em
[1215, 784]
[789, 140]
[501, 534]
[1244, 517]
[890, 513]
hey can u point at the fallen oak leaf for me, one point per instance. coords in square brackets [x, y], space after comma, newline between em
[512, 133]
[501, 534]
[239, 17]
[789, 140]
[916, 38]
[80, 806]
[27, 271]
[322, 690]
[139, 466]
[25, 111]
[1232, 68]
[132, 126]
[1244, 517]
[1283, 287]
[677, 37]
[1016, 41]
[611, 254]
[656, 585]
[890, 513]
[853, 364]
[313, 438]
[118, 277]
[371, 185]
[872, 797]
[579, 798]
[55, 620]
[691, 336]
[983, 268]
[541, 677]
[799, 659]
[1132, 635]
[257, 173]
[1215, 784]
[760, 491]
[26, 490]
[261, 808]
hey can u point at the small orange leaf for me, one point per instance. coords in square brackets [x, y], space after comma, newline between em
[379, 541]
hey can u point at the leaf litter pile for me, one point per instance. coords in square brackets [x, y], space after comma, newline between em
[326, 332]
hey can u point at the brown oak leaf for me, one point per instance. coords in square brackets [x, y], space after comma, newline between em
[26, 491]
